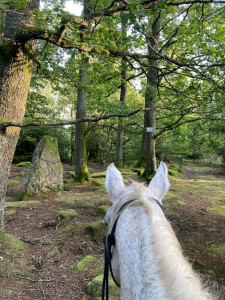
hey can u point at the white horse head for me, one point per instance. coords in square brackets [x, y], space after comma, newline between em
[147, 259]
[157, 189]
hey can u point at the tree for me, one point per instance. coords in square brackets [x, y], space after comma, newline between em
[123, 93]
[148, 141]
[15, 75]
[184, 63]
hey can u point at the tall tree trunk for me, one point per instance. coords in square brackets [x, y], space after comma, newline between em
[120, 129]
[72, 135]
[15, 76]
[81, 169]
[148, 142]
[123, 94]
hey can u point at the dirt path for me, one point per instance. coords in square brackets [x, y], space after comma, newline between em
[49, 267]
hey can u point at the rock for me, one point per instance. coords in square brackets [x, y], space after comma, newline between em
[46, 172]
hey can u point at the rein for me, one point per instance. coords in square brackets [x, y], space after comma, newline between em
[109, 241]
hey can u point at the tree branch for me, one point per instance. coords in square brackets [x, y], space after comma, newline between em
[4, 125]
[195, 2]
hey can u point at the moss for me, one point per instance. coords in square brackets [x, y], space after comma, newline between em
[180, 202]
[71, 174]
[66, 214]
[94, 287]
[128, 173]
[139, 171]
[24, 164]
[52, 253]
[82, 199]
[98, 175]
[217, 250]
[70, 228]
[12, 243]
[95, 227]
[83, 174]
[220, 210]
[12, 249]
[31, 268]
[8, 292]
[17, 204]
[83, 263]
[10, 212]
[103, 209]
[12, 183]
[99, 182]
[170, 213]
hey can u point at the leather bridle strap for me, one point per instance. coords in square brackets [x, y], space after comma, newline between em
[109, 241]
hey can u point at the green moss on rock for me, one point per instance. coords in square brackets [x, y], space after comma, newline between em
[70, 228]
[94, 287]
[103, 209]
[95, 227]
[12, 183]
[12, 249]
[66, 214]
[83, 264]
[24, 164]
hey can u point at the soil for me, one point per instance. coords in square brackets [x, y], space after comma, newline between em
[46, 271]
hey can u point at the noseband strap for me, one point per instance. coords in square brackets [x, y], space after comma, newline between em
[109, 241]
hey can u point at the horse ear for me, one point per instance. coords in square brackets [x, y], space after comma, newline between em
[114, 181]
[159, 185]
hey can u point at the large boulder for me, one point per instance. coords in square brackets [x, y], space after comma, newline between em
[46, 172]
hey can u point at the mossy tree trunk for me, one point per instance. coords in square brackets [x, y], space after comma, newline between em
[15, 76]
[148, 155]
[123, 94]
[81, 169]
[72, 135]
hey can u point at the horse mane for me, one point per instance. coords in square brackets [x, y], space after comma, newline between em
[177, 275]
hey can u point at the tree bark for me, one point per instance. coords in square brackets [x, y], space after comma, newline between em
[148, 142]
[81, 169]
[72, 135]
[123, 94]
[15, 76]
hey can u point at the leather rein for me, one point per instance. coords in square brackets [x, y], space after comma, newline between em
[109, 241]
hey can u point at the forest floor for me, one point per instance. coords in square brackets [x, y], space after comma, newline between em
[56, 258]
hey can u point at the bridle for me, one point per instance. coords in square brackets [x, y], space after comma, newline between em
[109, 241]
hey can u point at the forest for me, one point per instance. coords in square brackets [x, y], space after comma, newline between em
[131, 82]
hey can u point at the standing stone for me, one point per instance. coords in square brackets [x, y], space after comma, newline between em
[46, 172]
